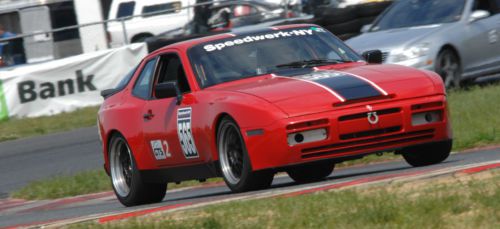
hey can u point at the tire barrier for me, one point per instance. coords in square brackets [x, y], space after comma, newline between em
[347, 22]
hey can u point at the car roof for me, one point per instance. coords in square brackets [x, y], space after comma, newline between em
[184, 45]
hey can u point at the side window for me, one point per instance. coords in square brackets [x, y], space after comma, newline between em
[143, 83]
[171, 69]
[125, 9]
[166, 8]
[497, 6]
[484, 5]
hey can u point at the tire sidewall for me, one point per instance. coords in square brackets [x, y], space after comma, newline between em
[429, 154]
[311, 172]
[247, 168]
[134, 196]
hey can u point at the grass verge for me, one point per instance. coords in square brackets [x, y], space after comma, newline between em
[27, 127]
[446, 202]
[82, 183]
[474, 115]
[63, 186]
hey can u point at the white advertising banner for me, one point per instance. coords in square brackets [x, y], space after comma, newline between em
[65, 85]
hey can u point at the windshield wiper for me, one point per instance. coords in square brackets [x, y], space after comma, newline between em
[310, 63]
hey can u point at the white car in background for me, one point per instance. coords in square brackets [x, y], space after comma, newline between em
[137, 27]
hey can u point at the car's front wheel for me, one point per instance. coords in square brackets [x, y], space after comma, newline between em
[127, 183]
[234, 161]
[449, 68]
[427, 154]
[311, 172]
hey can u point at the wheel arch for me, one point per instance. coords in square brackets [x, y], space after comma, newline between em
[453, 49]
[140, 35]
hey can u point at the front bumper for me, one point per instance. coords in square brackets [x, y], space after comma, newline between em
[349, 133]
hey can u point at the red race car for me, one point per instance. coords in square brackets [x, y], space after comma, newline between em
[246, 105]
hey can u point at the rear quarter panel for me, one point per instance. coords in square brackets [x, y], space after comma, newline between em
[122, 114]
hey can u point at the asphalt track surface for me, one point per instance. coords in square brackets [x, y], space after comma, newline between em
[31, 159]
[26, 160]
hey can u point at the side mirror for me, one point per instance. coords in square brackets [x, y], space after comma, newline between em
[478, 15]
[168, 90]
[108, 92]
[366, 28]
[373, 56]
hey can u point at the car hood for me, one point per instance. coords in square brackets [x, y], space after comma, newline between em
[325, 89]
[394, 38]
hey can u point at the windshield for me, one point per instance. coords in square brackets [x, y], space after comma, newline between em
[267, 52]
[408, 13]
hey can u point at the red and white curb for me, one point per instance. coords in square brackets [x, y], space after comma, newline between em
[387, 178]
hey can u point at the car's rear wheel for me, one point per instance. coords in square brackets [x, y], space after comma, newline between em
[127, 183]
[427, 154]
[311, 172]
[234, 161]
[449, 68]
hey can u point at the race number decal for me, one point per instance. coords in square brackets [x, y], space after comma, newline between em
[185, 133]
[160, 149]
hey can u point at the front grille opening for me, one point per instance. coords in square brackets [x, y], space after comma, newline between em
[301, 125]
[349, 102]
[368, 147]
[347, 145]
[370, 133]
[364, 115]
[427, 105]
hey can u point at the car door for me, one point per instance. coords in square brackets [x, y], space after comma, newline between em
[482, 43]
[168, 123]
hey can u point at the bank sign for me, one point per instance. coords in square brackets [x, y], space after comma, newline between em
[64, 85]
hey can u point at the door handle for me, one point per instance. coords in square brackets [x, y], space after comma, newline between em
[149, 115]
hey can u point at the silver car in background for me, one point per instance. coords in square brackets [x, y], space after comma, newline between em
[458, 39]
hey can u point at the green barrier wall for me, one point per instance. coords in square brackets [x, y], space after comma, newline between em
[4, 112]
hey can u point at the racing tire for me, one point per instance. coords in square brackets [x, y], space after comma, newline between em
[128, 185]
[311, 172]
[140, 38]
[320, 11]
[449, 68]
[347, 36]
[333, 16]
[372, 9]
[234, 161]
[427, 154]
[366, 21]
[353, 26]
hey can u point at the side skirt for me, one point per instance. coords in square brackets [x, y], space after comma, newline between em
[183, 173]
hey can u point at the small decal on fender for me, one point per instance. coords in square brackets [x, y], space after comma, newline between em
[185, 134]
[160, 149]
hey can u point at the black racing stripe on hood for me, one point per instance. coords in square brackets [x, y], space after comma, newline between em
[347, 86]
[294, 71]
